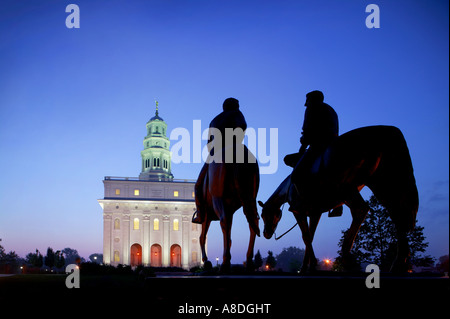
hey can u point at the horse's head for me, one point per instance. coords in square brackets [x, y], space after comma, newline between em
[271, 216]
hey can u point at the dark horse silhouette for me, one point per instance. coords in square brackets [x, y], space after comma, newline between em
[228, 187]
[374, 156]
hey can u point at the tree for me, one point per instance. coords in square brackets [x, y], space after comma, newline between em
[442, 266]
[59, 259]
[2, 251]
[290, 259]
[35, 259]
[50, 258]
[258, 262]
[270, 261]
[376, 242]
[72, 256]
[9, 262]
[96, 258]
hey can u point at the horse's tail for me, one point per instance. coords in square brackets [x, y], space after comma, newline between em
[394, 184]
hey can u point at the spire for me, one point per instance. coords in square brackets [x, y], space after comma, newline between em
[156, 117]
[156, 157]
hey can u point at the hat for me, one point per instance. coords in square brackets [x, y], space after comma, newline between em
[230, 104]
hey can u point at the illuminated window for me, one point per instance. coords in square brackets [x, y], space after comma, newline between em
[136, 224]
[175, 193]
[175, 224]
[117, 223]
[117, 191]
[156, 224]
[193, 194]
[116, 256]
[136, 192]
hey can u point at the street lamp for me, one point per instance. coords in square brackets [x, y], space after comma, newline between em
[217, 261]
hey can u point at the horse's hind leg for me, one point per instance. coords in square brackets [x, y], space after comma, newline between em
[400, 264]
[205, 227]
[359, 210]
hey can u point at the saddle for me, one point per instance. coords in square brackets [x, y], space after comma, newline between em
[312, 172]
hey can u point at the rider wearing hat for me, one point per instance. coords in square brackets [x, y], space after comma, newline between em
[320, 129]
[231, 117]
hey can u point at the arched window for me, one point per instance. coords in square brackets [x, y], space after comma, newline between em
[116, 256]
[156, 224]
[175, 224]
[136, 223]
[117, 223]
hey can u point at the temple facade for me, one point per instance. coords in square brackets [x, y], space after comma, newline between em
[147, 219]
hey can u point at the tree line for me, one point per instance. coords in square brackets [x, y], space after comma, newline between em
[52, 261]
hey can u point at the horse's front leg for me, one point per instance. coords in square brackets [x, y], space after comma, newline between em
[226, 220]
[205, 227]
[310, 258]
[251, 245]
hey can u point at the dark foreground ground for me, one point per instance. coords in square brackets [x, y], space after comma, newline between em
[171, 296]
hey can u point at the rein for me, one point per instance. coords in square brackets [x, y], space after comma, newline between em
[276, 238]
[286, 199]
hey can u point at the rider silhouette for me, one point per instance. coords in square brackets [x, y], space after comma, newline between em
[231, 117]
[320, 129]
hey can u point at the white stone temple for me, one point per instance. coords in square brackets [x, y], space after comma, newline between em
[147, 219]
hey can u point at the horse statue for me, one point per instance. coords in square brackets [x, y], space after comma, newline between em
[226, 188]
[373, 156]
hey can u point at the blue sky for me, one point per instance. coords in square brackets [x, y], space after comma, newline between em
[74, 102]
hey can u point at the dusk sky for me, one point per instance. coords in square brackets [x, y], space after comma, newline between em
[74, 102]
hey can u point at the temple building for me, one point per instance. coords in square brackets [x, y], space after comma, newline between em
[147, 219]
